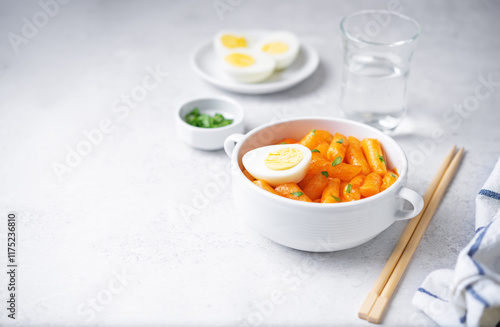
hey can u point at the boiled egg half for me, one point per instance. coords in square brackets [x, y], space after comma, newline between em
[278, 164]
[248, 66]
[283, 47]
[228, 41]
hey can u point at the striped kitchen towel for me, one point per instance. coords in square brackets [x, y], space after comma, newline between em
[469, 295]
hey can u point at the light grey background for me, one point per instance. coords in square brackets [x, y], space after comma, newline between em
[123, 209]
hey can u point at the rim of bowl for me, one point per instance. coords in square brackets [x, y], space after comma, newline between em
[374, 11]
[402, 174]
[221, 98]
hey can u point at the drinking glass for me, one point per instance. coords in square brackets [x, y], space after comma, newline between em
[378, 46]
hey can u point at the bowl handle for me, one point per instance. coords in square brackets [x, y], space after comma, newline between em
[415, 199]
[230, 143]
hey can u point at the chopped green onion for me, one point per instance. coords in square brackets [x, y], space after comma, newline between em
[336, 161]
[195, 118]
[336, 198]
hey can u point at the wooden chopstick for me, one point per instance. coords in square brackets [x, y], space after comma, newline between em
[403, 241]
[380, 306]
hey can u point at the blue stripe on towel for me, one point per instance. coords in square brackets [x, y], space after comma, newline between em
[490, 194]
[478, 266]
[477, 296]
[463, 319]
[479, 229]
[473, 249]
[423, 290]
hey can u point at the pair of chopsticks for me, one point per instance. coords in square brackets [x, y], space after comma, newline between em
[377, 300]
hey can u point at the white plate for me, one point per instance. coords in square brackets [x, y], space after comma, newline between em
[207, 65]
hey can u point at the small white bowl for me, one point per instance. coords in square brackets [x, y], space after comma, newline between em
[209, 138]
[319, 227]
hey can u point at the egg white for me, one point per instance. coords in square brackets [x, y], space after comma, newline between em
[254, 162]
[284, 59]
[260, 70]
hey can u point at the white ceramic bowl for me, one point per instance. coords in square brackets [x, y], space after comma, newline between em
[209, 138]
[319, 227]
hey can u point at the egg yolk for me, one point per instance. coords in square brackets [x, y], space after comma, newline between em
[275, 47]
[240, 60]
[231, 41]
[284, 159]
